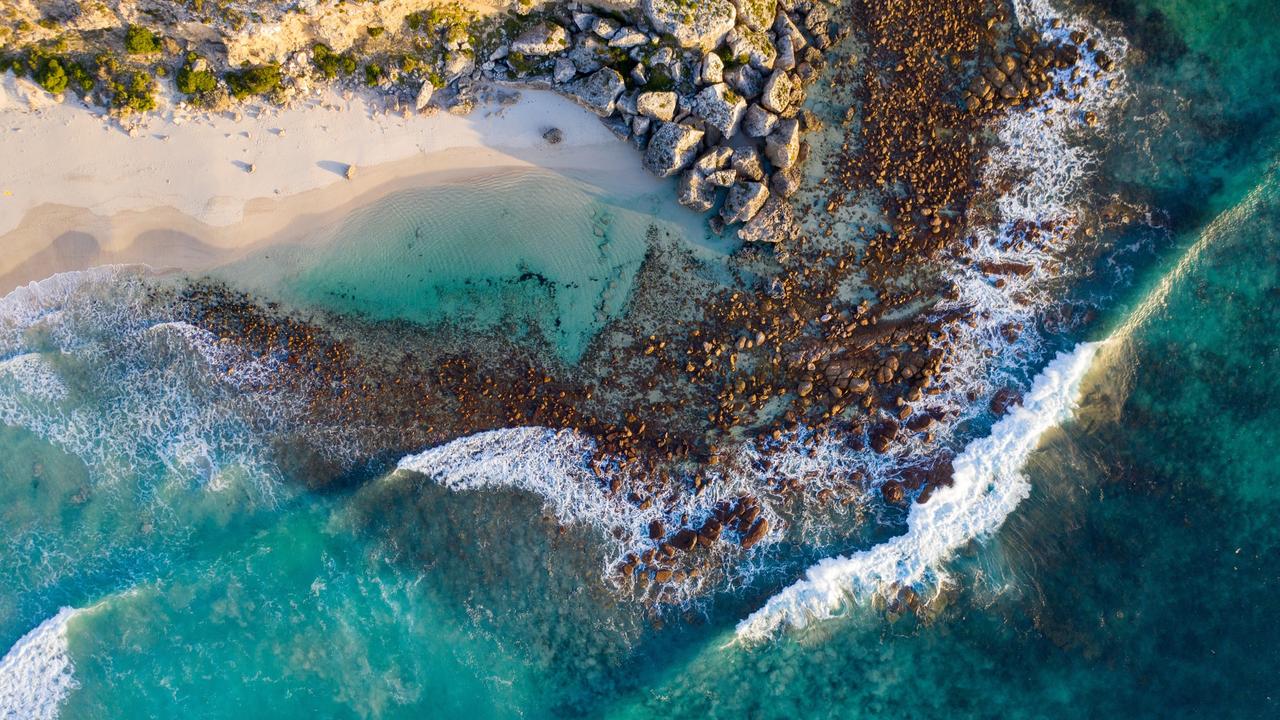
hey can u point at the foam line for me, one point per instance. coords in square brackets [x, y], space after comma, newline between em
[987, 485]
[37, 674]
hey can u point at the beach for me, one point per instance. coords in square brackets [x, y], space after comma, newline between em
[191, 191]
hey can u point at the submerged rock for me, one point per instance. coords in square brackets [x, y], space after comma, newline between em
[774, 223]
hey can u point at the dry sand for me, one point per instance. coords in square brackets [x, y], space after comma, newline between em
[192, 190]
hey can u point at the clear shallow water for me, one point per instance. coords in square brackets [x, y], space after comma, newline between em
[480, 253]
[1137, 579]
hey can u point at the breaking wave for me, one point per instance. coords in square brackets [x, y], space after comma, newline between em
[988, 485]
[37, 674]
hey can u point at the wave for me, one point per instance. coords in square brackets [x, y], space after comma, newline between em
[37, 673]
[988, 485]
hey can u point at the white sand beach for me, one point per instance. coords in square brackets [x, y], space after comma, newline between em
[190, 190]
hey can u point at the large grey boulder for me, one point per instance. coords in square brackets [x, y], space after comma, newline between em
[657, 105]
[671, 149]
[774, 223]
[712, 69]
[785, 182]
[753, 45]
[784, 27]
[694, 192]
[694, 24]
[756, 14]
[746, 160]
[720, 107]
[424, 95]
[746, 80]
[564, 70]
[714, 159]
[782, 146]
[758, 122]
[781, 92]
[599, 91]
[586, 53]
[545, 38]
[743, 202]
[628, 37]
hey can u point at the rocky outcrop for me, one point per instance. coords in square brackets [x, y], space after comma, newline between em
[672, 148]
[701, 24]
[545, 38]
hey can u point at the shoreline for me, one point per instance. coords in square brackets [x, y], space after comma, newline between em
[179, 219]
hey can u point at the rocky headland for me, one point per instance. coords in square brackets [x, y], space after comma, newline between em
[703, 400]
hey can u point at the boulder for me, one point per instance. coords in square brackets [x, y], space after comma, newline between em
[785, 182]
[746, 80]
[584, 21]
[424, 95]
[545, 38]
[755, 533]
[553, 136]
[754, 45]
[720, 107]
[746, 160]
[586, 54]
[780, 92]
[605, 27]
[672, 148]
[712, 70]
[758, 122]
[782, 146]
[744, 200]
[775, 222]
[784, 27]
[756, 14]
[714, 159]
[564, 70]
[628, 37]
[694, 192]
[701, 24]
[599, 91]
[723, 178]
[640, 126]
[639, 75]
[657, 105]
[786, 59]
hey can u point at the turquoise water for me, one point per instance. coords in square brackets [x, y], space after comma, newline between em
[1139, 579]
[479, 254]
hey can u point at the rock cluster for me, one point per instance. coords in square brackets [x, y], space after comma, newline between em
[709, 91]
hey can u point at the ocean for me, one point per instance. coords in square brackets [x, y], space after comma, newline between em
[1108, 549]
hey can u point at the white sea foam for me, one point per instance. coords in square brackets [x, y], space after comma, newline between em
[987, 486]
[37, 673]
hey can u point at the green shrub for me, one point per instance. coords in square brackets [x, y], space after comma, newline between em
[374, 31]
[374, 74]
[258, 80]
[50, 75]
[134, 93]
[195, 82]
[330, 64]
[80, 76]
[140, 41]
